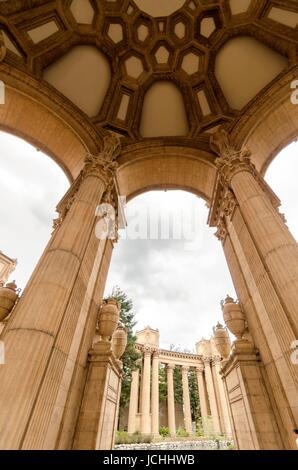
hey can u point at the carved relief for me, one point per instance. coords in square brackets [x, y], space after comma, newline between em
[105, 165]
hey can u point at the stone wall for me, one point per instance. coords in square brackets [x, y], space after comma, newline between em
[179, 445]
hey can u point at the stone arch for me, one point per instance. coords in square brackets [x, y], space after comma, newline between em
[269, 124]
[22, 116]
[166, 167]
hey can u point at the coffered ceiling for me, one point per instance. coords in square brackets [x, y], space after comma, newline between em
[148, 68]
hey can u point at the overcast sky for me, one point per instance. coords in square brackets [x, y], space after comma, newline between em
[176, 285]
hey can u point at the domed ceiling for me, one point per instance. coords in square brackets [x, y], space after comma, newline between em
[147, 68]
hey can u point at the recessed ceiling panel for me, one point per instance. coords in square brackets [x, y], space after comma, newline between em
[83, 75]
[159, 7]
[163, 111]
[244, 66]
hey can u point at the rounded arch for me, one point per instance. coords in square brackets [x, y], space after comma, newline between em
[32, 112]
[144, 168]
[270, 124]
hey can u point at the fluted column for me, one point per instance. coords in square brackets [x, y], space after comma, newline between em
[211, 395]
[155, 395]
[202, 396]
[134, 401]
[145, 403]
[171, 400]
[245, 209]
[186, 400]
[49, 321]
[222, 398]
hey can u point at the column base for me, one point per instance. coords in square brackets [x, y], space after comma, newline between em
[98, 416]
[252, 415]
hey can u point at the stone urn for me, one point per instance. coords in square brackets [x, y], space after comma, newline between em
[203, 347]
[8, 298]
[222, 340]
[234, 317]
[108, 319]
[119, 341]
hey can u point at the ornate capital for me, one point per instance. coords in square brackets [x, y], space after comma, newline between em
[207, 360]
[200, 369]
[171, 367]
[104, 164]
[216, 360]
[230, 160]
[185, 369]
[221, 232]
[66, 202]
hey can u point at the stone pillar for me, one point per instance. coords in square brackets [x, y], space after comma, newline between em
[72, 408]
[44, 335]
[186, 400]
[155, 395]
[134, 401]
[211, 395]
[99, 410]
[245, 210]
[202, 397]
[227, 429]
[145, 403]
[171, 400]
[253, 419]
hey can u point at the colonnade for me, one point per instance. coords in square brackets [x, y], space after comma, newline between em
[144, 413]
[50, 332]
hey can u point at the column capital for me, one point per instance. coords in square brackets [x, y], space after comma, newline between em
[216, 360]
[230, 160]
[200, 369]
[207, 360]
[185, 369]
[170, 366]
[229, 163]
[104, 164]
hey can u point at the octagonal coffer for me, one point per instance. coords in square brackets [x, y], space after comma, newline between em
[134, 67]
[115, 32]
[82, 11]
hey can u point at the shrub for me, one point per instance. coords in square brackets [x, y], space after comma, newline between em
[181, 432]
[122, 437]
[164, 431]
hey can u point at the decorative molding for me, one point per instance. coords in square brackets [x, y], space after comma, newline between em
[2, 48]
[103, 165]
[66, 202]
[231, 161]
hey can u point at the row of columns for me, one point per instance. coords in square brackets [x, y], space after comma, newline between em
[211, 395]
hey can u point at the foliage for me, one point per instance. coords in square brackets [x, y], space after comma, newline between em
[194, 395]
[181, 432]
[122, 437]
[164, 431]
[163, 384]
[130, 356]
[178, 389]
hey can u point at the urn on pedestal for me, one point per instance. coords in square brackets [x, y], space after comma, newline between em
[8, 297]
[119, 341]
[221, 340]
[234, 317]
[108, 319]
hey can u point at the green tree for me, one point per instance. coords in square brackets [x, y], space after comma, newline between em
[130, 356]
[194, 396]
[163, 393]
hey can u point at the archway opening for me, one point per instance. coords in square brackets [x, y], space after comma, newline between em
[281, 176]
[171, 265]
[31, 185]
